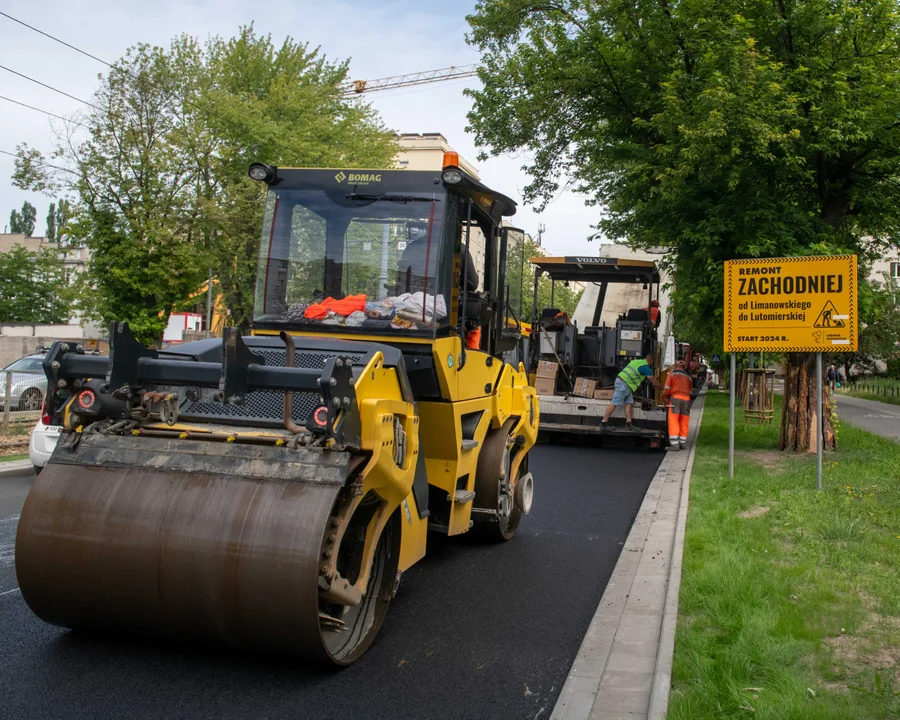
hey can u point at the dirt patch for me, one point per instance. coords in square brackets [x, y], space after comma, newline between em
[9, 444]
[771, 460]
[844, 647]
[858, 650]
[835, 686]
[753, 512]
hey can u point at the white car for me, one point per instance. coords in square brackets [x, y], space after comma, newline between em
[43, 442]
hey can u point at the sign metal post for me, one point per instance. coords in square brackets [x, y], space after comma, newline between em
[820, 422]
[731, 418]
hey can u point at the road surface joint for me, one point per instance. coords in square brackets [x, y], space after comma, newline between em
[15, 468]
[624, 665]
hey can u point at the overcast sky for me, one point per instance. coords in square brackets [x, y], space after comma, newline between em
[380, 38]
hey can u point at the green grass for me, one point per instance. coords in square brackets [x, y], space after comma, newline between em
[791, 613]
[885, 390]
[10, 458]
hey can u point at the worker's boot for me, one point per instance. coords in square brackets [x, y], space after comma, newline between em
[682, 445]
[631, 428]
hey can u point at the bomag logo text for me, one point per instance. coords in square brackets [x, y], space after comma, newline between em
[358, 178]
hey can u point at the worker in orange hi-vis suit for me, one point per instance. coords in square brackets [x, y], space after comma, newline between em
[677, 392]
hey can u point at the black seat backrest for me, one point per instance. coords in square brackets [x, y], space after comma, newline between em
[637, 314]
[553, 319]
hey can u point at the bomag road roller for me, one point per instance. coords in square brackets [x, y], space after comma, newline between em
[268, 491]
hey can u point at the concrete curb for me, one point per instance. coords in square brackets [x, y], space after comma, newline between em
[662, 681]
[624, 665]
[14, 467]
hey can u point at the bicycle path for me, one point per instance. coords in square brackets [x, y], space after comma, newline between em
[876, 417]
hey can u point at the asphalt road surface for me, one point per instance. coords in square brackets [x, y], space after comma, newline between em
[880, 418]
[476, 631]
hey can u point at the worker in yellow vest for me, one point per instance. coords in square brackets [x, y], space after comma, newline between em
[627, 383]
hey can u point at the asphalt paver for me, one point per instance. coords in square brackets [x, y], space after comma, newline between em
[477, 631]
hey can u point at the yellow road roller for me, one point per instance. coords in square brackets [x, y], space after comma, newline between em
[267, 491]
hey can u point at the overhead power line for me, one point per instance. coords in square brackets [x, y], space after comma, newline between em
[31, 107]
[128, 72]
[40, 162]
[49, 87]
[52, 37]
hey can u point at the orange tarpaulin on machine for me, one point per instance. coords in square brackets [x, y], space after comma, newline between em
[344, 307]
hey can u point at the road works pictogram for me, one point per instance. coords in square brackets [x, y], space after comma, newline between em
[829, 317]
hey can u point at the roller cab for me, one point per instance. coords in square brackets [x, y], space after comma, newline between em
[268, 490]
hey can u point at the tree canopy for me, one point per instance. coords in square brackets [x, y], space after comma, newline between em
[159, 178]
[23, 222]
[719, 129]
[33, 287]
[57, 216]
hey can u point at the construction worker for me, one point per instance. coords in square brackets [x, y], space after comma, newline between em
[677, 394]
[653, 313]
[627, 383]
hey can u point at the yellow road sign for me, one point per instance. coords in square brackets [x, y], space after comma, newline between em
[798, 304]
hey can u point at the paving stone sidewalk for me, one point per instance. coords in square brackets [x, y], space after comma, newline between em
[623, 668]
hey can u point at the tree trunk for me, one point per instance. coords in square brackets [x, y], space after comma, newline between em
[799, 426]
[847, 366]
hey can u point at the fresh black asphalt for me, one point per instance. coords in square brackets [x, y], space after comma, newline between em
[476, 631]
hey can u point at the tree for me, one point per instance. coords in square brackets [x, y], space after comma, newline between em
[520, 278]
[162, 186]
[57, 215]
[284, 106]
[33, 287]
[51, 223]
[879, 328]
[61, 217]
[717, 129]
[23, 222]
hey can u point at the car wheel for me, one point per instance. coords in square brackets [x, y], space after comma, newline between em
[37, 469]
[31, 400]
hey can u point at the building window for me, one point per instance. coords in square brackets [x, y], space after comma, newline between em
[895, 270]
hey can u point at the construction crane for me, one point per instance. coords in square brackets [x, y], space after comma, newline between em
[454, 72]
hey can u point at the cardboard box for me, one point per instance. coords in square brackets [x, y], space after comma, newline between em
[584, 387]
[547, 369]
[604, 393]
[545, 386]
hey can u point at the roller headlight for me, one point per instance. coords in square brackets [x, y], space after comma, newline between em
[452, 176]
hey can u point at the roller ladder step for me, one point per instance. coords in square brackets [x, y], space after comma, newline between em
[469, 444]
[462, 496]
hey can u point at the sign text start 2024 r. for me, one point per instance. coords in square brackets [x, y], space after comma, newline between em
[799, 304]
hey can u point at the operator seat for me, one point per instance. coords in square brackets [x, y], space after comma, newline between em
[637, 314]
[554, 319]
